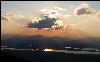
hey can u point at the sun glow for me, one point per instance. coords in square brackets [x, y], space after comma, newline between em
[48, 50]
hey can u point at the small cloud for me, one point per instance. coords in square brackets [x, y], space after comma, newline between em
[98, 14]
[71, 27]
[83, 21]
[20, 16]
[58, 8]
[84, 9]
[11, 14]
[68, 16]
[74, 26]
[19, 24]
[22, 25]
[8, 17]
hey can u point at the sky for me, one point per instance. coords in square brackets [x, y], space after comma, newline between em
[18, 17]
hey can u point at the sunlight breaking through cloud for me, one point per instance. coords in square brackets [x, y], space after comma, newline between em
[49, 21]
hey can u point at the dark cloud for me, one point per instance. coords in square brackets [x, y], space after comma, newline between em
[45, 23]
[71, 27]
[84, 9]
[4, 18]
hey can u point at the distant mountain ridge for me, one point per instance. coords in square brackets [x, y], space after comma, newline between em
[39, 41]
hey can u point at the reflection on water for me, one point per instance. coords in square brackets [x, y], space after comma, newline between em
[67, 50]
[54, 50]
[60, 50]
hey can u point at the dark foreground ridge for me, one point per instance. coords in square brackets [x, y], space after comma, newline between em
[26, 56]
[4, 57]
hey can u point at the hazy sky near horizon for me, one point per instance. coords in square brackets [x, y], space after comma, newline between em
[15, 13]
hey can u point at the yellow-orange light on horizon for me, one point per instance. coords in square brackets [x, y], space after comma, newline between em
[68, 47]
[48, 50]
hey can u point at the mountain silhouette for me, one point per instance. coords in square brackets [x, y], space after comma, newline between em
[39, 41]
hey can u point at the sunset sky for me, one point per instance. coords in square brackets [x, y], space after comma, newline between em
[77, 17]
